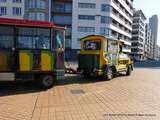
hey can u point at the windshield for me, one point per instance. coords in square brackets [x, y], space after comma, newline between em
[92, 45]
[112, 46]
[6, 37]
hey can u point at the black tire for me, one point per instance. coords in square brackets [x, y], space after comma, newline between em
[129, 71]
[109, 74]
[46, 81]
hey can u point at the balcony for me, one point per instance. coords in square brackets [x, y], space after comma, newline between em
[61, 7]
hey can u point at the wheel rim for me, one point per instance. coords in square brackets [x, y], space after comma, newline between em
[47, 81]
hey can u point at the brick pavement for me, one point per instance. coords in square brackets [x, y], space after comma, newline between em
[77, 99]
[17, 107]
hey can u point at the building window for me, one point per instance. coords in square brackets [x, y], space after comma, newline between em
[86, 29]
[68, 32]
[62, 19]
[31, 4]
[32, 16]
[41, 16]
[87, 5]
[17, 1]
[105, 8]
[3, 0]
[62, 7]
[41, 4]
[3, 10]
[68, 7]
[37, 16]
[105, 19]
[86, 17]
[105, 31]
[17, 11]
[134, 50]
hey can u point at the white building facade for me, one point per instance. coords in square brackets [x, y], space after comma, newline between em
[12, 9]
[103, 17]
[157, 53]
[138, 35]
[38, 10]
[153, 21]
[148, 46]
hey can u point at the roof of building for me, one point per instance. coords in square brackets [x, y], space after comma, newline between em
[140, 12]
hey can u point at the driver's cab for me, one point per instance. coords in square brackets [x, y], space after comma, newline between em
[116, 53]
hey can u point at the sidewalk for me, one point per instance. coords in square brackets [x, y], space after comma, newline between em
[124, 98]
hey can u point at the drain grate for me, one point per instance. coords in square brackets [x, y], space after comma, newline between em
[77, 91]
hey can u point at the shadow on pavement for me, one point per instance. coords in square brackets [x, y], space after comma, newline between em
[77, 79]
[20, 87]
[27, 87]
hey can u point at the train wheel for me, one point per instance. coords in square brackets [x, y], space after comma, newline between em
[47, 81]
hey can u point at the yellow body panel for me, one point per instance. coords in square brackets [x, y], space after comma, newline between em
[25, 61]
[3, 61]
[121, 63]
[101, 52]
[46, 63]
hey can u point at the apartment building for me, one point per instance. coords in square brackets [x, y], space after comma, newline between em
[153, 21]
[12, 9]
[111, 18]
[85, 17]
[148, 46]
[105, 17]
[138, 35]
[157, 53]
[37, 10]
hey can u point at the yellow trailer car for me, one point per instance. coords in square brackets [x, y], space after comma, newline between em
[102, 56]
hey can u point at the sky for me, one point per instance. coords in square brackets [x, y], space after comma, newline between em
[149, 7]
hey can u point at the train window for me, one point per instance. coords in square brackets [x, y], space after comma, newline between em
[112, 46]
[33, 38]
[6, 37]
[43, 41]
[58, 39]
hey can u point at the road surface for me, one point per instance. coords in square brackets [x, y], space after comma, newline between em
[136, 97]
